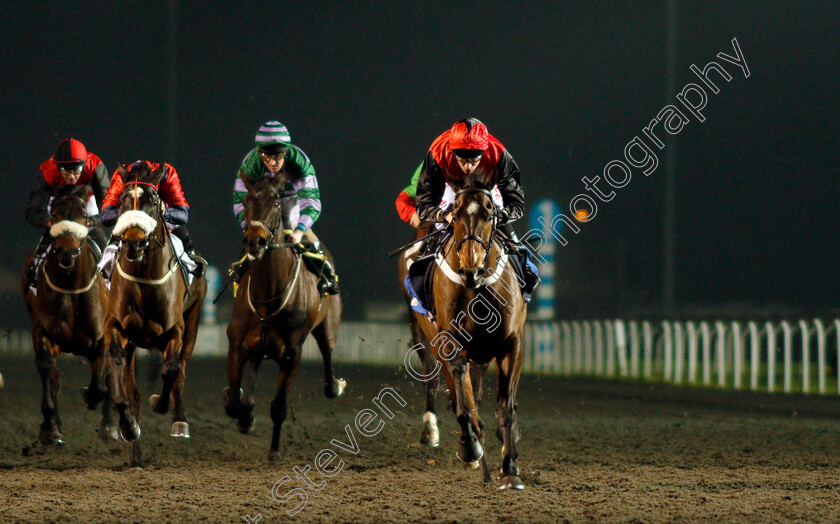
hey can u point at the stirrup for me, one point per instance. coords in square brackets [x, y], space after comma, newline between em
[200, 264]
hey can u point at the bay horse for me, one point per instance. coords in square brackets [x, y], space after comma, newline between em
[67, 313]
[148, 306]
[277, 306]
[480, 316]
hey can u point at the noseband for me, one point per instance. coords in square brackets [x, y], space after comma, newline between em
[489, 243]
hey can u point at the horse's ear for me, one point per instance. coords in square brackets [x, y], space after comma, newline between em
[156, 175]
[123, 172]
[279, 182]
[246, 180]
[82, 191]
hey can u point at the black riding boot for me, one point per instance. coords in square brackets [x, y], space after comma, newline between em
[328, 283]
[37, 258]
[531, 279]
[200, 263]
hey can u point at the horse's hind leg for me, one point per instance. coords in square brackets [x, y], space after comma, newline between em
[279, 408]
[430, 435]
[135, 454]
[245, 421]
[99, 391]
[50, 433]
[325, 335]
[509, 368]
[171, 369]
[180, 427]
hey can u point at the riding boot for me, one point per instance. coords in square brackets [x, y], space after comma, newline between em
[328, 280]
[31, 276]
[200, 263]
[530, 277]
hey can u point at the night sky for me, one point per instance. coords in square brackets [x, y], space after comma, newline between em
[365, 87]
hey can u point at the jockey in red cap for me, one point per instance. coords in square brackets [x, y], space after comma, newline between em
[71, 165]
[468, 151]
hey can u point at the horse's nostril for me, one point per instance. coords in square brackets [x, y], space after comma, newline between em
[262, 241]
[462, 272]
[479, 272]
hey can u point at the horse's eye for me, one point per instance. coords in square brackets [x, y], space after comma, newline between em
[276, 203]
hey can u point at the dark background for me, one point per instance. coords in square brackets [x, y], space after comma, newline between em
[365, 87]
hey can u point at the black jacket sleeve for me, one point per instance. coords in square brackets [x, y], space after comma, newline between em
[39, 199]
[100, 182]
[510, 187]
[430, 188]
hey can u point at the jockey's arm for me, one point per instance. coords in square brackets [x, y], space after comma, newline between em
[511, 189]
[36, 213]
[430, 187]
[100, 182]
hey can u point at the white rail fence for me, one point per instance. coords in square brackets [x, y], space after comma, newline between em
[785, 356]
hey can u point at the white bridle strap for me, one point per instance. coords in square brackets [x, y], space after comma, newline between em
[157, 282]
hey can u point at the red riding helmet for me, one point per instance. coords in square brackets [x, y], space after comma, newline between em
[69, 152]
[469, 134]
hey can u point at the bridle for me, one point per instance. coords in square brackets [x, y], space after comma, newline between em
[155, 203]
[487, 245]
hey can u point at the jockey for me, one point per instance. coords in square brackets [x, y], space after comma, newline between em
[177, 210]
[272, 153]
[71, 165]
[465, 150]
[406, 207]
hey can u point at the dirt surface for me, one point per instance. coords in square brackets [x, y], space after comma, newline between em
[590, 451]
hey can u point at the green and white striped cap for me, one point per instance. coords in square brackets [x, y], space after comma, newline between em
[272, 132]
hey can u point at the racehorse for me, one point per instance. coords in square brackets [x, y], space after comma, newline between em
[480, 315]
[67, 313]
[276, 308]
[149, 305]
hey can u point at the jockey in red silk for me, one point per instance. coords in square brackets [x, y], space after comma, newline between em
[71, 165]
[468, 150]
[177, 212]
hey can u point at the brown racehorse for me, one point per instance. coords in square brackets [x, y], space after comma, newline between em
[148, 307]
[480, 315]
[276, 308]
[67, 313]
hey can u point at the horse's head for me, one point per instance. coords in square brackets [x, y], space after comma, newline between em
[263, 213]
[474, 228]
[139, 208]
[69, 223]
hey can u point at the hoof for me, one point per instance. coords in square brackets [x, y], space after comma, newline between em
[336, 388]
[108, 433]
[131, 432]
[51, 438]
[475, 464]
[511, 482]
[273, 455]
[156, 404]
[92, 397]
[245, 428]
[469, 453]
[431, 435]
[180, 429]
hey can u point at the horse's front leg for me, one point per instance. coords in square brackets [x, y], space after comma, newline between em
[180, 426]
[509, 367]
[289, 363]
[171, 369]
[50, 433]
[129, 429]
[470, 449]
